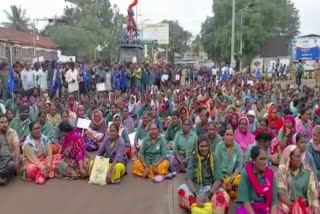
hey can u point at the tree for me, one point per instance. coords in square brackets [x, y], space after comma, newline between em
[178, 39]
[89, 24]
[17, 19]
[265, 20]
[196, 46]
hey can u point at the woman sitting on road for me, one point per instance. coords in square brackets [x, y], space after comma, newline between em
[243, 135]
[313, 149]
[96, 131]
[203, 179]
[39, 163]
[294, 181]
[257, 193]
[114, 148]
[183, 147]
[74, 163]
[123, 133]
[142, 131]
[229, 162]
[152, 162]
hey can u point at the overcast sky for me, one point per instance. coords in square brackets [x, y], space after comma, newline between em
[190, 14]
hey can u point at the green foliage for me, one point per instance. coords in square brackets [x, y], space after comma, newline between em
[17, 19]
[89, 24]
[178, 39]
[196, 46]
[266, 19]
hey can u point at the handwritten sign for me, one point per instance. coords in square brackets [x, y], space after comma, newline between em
[83, 123]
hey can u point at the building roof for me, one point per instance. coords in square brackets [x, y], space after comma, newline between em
[26, 38]
[309, 35]
[276, 47]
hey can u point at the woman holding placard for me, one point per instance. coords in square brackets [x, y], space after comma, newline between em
[114, 148]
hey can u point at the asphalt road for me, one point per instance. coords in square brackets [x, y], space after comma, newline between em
[134, 195]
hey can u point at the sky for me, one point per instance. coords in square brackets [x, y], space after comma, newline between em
[189, 13]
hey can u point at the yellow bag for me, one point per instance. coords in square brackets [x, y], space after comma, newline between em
[206, 209]
[99, 171]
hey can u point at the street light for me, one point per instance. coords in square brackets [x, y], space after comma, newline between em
[35, 21]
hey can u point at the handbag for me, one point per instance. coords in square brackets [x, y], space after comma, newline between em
[99, 171]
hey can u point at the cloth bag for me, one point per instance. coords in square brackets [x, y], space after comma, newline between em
[99, 171]
[206, 209]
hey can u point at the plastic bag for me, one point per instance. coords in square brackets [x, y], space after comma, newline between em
[99, 171]
[298, 207]
[206, 209]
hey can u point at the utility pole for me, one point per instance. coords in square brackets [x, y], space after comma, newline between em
[232, 64]
[35, 21]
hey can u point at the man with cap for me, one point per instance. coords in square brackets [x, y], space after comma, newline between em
[252, 121]
[21, 123]
[12, 139]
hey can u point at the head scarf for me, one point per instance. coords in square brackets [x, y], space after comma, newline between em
[98, 125]
[244, 139]
[291, 119]
[184, 108]
[263, 190]
[209, 158]
[274, 124]
[72, 107]
[121, 127]
[132, 105]
[78, 109]
[284, 174]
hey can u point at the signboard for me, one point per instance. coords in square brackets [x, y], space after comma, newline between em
[307, 48]
[158, 32]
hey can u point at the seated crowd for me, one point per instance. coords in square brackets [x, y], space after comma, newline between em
[232, 148]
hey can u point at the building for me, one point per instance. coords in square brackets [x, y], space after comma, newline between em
[19, 46]
[275, 50]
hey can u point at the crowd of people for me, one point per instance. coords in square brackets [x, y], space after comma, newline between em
[235, 137]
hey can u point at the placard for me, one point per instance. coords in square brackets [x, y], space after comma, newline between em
[101, 86]
[131, 138]
[177, 77]
[250, 82]
[134, 59]
[83, 123]
[164, 77]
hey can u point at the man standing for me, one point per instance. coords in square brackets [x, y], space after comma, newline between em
[299, 74]
[28, 79]
[317, 73]
[72, 79]
[12, 139]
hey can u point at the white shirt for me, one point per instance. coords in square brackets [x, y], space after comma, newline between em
[43, 80]
[70, 77]
[28, 79]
